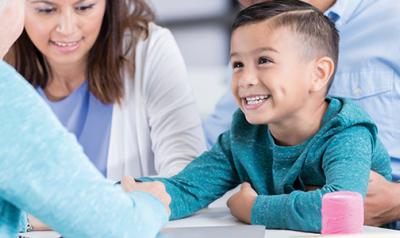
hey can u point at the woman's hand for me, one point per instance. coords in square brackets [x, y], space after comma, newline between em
[157, 189]
[37, 225]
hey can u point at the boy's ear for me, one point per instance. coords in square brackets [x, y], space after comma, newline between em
[323, 71]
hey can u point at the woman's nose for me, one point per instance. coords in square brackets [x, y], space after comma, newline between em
[67, 24]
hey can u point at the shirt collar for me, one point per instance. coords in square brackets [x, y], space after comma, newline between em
[342, 11]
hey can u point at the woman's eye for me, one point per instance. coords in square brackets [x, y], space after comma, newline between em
[263, 60]
[46, 10]
[84, 7]
[236, 65]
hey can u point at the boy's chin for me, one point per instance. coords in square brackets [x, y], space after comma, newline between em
[256, 120]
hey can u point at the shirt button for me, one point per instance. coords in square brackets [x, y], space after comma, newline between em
[357, 91]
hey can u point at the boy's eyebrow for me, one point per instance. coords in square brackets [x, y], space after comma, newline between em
[263, 49]
[258, 50]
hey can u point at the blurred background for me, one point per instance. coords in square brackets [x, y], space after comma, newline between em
[202, 31]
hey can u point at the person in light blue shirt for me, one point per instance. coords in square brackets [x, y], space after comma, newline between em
[288, 135]
[44, 171]
[368, 72]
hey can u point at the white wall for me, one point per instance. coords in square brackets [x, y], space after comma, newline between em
[201, 29]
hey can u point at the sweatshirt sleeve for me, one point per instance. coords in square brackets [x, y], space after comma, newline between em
[45, 172]
[346, 164]
[204, 180]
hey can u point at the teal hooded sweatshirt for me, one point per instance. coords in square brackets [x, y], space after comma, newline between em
[338, 157]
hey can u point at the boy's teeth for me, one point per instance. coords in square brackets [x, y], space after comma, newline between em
[256, 99]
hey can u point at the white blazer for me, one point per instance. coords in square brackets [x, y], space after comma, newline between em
[156, 130]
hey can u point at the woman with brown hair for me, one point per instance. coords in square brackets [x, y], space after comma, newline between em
[44, 171]
[114, 79]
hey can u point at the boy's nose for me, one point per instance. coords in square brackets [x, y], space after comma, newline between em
[248, 79]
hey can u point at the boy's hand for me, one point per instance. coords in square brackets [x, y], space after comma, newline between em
[157, 189]
[242, 202]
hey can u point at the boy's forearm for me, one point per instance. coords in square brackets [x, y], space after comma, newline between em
[204, 180]
[264, 211]
[294, 211]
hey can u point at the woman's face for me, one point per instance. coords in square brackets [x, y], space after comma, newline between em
[64, 30]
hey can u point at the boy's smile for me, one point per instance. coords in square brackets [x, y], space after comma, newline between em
[253, 102]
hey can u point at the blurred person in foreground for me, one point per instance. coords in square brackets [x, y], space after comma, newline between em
[44, 171]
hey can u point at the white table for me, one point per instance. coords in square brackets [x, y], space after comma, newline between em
[222, 217]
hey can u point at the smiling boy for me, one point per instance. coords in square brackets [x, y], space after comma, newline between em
[288, 134]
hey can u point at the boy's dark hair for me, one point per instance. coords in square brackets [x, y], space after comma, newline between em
[318, 33]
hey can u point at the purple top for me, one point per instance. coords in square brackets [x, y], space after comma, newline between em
[88, 119]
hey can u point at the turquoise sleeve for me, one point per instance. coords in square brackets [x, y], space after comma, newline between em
[346, 165]
[204, 180]
[45, 172]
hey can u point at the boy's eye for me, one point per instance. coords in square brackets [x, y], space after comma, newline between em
[236, 65]
[84, 7]
[264, 60]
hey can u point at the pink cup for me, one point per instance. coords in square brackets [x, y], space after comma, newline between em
[342, 213]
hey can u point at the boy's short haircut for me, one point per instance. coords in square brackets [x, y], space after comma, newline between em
[318, 34]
